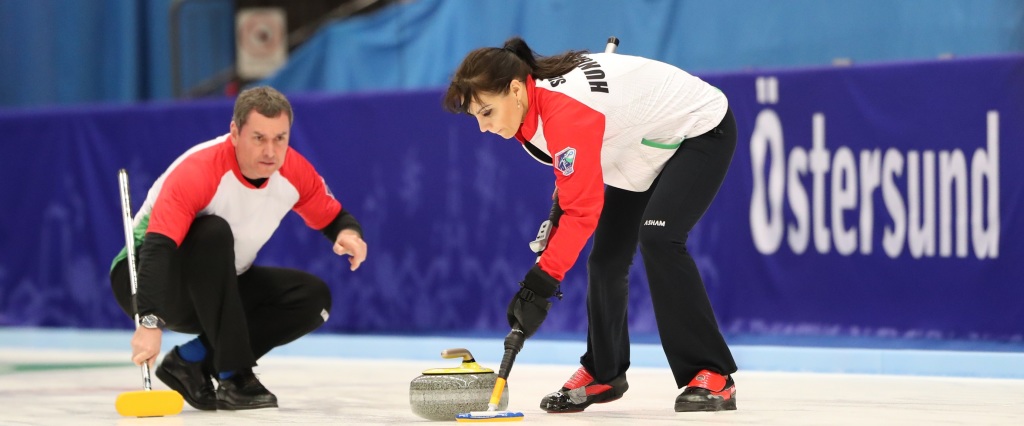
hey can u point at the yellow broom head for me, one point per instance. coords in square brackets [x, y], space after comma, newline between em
[149, 403]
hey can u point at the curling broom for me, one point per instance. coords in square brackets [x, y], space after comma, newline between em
[147, 402]
[513, 344]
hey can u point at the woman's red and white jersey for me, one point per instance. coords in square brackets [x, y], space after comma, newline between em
[206, 180]
[615, 120]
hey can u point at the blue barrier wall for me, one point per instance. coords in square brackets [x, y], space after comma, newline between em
[420, 43]
[67, 52]
[872, 201]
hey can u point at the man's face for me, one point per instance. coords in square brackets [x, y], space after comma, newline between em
[261, 144]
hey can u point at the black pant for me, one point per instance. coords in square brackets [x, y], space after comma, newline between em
[660, 220]
[239, 317]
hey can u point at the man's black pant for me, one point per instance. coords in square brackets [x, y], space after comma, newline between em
[660, 219]
[239, 317]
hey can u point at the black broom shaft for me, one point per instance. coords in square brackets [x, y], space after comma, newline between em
[513, 344]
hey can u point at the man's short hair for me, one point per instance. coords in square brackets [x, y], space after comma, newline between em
[265, 100]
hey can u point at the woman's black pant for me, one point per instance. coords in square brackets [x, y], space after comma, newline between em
[239, 317]
[659, 219]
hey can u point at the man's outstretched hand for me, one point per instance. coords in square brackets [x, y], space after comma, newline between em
[350, 243]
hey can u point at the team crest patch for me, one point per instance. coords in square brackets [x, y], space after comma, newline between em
[565, 159]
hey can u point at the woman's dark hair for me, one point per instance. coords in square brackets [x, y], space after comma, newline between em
[492, 69]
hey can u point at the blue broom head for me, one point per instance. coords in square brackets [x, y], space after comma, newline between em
[489, 416]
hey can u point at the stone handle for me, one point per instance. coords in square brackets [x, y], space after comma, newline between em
[457, 353]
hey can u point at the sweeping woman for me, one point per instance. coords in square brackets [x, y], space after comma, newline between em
[639, 149]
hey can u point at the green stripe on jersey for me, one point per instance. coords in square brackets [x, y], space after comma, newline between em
[653, 144]
[139, 232]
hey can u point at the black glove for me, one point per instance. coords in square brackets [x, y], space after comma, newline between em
[529, 307]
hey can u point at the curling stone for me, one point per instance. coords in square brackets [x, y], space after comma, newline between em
[441, 393]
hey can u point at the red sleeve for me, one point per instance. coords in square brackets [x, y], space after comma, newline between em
[317, 205]
[574, 134]
[186, 190]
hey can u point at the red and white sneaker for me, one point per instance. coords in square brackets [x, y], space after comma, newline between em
[580, 391]
[708, 391]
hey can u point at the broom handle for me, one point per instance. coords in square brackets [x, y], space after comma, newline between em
[513, 344]
[613, 42]
[129, 245]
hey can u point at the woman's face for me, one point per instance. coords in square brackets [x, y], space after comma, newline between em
[500, 114]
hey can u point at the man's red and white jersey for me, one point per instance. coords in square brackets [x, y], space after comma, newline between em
[206, 180]
[615, 120]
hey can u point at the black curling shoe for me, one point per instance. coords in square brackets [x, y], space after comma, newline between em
[243, 391]
[188, 379]
[581, 390]
[708, 391]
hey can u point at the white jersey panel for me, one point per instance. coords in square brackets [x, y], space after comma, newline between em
[649, 107]
[253, 214]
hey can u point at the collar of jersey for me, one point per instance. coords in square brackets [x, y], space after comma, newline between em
[529, 127]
